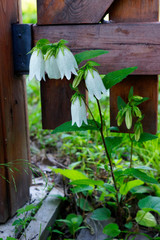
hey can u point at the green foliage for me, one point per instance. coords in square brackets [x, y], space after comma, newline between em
[150, 203]
[145, 219]
[29, 11]
[83, 56]
[67, 127]
[115, 77]
[127, 186]
[71, 174]
[101, 214]
[112, 230]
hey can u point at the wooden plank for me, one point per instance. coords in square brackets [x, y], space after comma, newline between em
[56, 93]
[71, 11]
[134, 11]
[14, 120]
[129, 44]
[143, 85]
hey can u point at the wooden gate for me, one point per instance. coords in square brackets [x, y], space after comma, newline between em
[131, 37]
[13, 120]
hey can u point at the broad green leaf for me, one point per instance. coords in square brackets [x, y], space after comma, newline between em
[26, 209]
[115, 77]
[140, 175]
[112, 230]
[112, 142]
[84, 205]
[74, 164]
[150, 203]
[141, 190]
[129, 225]
[145, 219]
[71, 174]
[81, 188]
[147, 137]
[75, 222]
[67, 127]
[83, 56]
[109, 187]
[120, 103]
[87, 181]
[101, 214]
[126, 187]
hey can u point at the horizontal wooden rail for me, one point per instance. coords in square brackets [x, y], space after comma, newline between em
[129, 44]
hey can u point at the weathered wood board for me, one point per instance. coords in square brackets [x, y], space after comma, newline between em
[69, 11]
[129, 44]
[147, 86]
[13, 120]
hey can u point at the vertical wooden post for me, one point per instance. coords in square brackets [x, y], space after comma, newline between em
[14, 144]
[146, 86]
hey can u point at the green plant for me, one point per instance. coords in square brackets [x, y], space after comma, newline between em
[116, 193]
[22, 223]
[73, 222]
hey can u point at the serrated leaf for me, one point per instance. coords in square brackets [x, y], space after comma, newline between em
[67, 127]
[126, 187]
[69, 173]
[145, 219]
[147, 137]
[115, 77]
[112, 230]
[86, 55]
[81, 188]
[101, 214]
[150, 203]
[140, 175]
[112, 142]
[87, 182]
[84, 205]
[120, 103]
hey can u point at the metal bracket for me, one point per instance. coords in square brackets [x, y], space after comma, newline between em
[22, 44]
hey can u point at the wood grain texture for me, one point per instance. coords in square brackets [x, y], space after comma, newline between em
[71, 11]
[133, 11]
[56, 102]
[13, 127]
[129, 44]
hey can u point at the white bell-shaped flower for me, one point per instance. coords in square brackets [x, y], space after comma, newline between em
[78, 112]
[66, 63]
[95, 85]
[37, 66]
[51, 68]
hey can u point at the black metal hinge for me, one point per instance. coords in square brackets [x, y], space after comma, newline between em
[22, 44]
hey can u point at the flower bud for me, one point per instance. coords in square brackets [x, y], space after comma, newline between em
[128, 118]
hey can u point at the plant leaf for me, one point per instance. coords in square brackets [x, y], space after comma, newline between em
[145, 219]
[87, 181]
[83, 56]
[67, 127]
[147, 137]
[150, 203]
[81, 188]
[120, 103]
[69, 173]
[115, 77]
[112, 142]
[111, 230]
[140, 175]
[101, 214]
[84, 204]
[126, 187]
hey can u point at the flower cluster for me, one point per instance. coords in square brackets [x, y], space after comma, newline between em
[57, 61]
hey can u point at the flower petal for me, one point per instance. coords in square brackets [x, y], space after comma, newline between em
[51, 68]
[78, 112]
[37, 66]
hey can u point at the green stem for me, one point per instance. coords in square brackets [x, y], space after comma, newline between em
[105, 147]
[131, 159]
